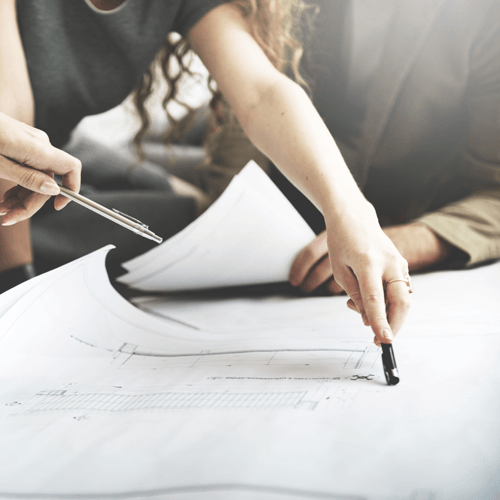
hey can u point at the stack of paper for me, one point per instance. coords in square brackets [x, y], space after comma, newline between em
[245, 398]
[250, 235]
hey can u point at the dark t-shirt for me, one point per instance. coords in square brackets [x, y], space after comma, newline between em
[82, 62]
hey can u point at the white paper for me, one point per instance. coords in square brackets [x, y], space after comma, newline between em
[246, 398]
[250, 235]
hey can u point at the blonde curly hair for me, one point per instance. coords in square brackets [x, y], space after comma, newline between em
[277, 26]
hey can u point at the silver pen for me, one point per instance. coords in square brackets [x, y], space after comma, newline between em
[114, 215]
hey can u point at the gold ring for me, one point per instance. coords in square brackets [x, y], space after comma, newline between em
[406, 280]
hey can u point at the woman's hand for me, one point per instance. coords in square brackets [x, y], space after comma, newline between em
[363, 260]
[28, 159]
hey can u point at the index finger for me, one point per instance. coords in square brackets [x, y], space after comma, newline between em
[372, 294]
[31, 147]
[42, 155]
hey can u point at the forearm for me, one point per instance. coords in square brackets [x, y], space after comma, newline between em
[419, 245]
[15, 245]
[16, 97]
[16, 100]
[284, 114]
[275, 112]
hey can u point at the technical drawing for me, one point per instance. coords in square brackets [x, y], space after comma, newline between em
[51, 401]
[345, 358]
[114, 401]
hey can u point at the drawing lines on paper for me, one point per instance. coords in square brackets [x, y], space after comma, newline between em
[51, 401]
[345, 357]
[116, 402]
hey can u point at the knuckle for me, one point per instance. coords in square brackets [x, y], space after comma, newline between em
[11, 145]
[341, 276]
[38, 134]
[402, 302]
[77, 164]
[310, 253]
[337, 275]
[28, 178]
[373, 297]
[304, 254]
[356, 297]
[366, 259]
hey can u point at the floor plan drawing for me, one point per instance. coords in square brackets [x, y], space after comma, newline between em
[266, 398]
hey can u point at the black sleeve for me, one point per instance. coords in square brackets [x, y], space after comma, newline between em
[191, 11]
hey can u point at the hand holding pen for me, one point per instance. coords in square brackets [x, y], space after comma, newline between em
[29, 160]
[114, 215]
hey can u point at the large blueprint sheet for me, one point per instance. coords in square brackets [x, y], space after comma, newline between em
[234, 397]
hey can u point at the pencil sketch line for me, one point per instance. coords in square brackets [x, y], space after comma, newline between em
[118, 403]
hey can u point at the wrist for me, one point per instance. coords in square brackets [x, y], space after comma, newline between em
[419, 245]
[350, 211]
[438, 248]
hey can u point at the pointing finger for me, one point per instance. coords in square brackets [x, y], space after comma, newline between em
[372, 292]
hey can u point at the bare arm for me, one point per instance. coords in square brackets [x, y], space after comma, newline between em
[280, 120]
[269, 105]
[16, 97]
[15, 242]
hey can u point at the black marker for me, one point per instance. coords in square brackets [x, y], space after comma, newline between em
[389, 361]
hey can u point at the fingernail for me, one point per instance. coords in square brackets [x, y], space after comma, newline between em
[387, 334]
[49, 187]
[9, 223]
[3, 212]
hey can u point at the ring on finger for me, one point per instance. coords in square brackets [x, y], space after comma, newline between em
[406, 280]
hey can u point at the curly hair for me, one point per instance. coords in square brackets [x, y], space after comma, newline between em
[277, 26]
